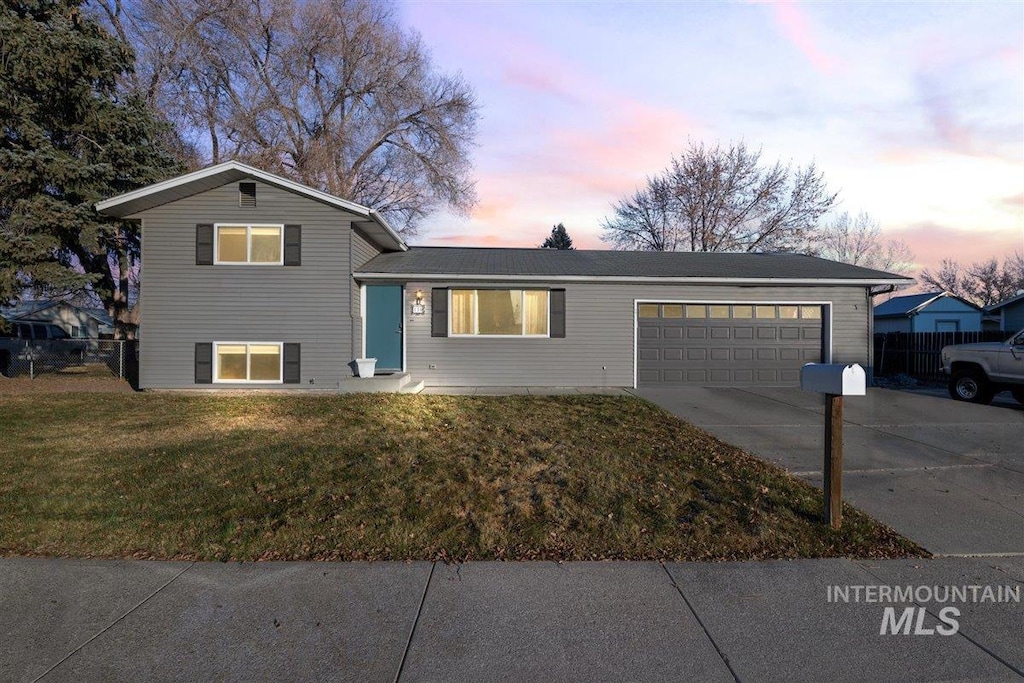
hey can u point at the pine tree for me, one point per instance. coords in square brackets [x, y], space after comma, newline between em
[70, 137]
[558, 239]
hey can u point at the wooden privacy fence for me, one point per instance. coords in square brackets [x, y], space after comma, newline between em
[919, 354]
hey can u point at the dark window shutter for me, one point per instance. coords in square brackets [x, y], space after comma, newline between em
[292, 370]
[204, 363]
[439, 312]
[557, 313]
[293, 245]
[247, 195]
[204, 245]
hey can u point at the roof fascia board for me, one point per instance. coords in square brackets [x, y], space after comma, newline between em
[631, 279]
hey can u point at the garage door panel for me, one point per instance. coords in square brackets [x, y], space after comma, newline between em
[727, 351]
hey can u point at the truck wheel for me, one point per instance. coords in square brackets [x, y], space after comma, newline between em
[1018, 394]
[971, 386]
[5, 364]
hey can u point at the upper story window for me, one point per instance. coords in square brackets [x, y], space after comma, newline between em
[499, 312]
[254, 244]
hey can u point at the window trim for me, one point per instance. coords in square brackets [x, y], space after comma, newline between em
[248, 244]
[476, 313]
[248, 362]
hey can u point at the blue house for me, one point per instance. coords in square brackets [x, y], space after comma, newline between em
[930, 312]
[1010, 313]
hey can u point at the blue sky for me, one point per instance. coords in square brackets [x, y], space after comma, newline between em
[914, 111]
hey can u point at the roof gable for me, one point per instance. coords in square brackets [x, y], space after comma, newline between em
[912, 304]
[135, 202]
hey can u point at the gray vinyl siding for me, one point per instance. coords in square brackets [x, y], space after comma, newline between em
[309, 304]
[598, 348]
[362, 251]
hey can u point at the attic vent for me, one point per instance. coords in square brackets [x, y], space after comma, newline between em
[247, 195]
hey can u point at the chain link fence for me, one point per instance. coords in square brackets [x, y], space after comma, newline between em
[65, 357]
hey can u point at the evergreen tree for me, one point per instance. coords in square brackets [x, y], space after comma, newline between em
[558, 239]
[69, 138]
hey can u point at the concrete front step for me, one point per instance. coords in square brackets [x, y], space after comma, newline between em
[398, 382]
[412, 387]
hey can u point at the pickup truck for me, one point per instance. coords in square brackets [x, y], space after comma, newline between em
[977, 372]
[44, 343]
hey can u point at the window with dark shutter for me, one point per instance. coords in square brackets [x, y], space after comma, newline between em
[247, 195]
[439, 312]
[204, 363]
[204, 244]
[558, 313]
[292, 364]
[293, 245]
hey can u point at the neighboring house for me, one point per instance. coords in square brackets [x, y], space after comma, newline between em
[930, 312]
[254, 280]
[1010, 313]
[77, 321]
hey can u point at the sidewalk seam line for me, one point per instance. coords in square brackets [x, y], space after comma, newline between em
[112, 624]
[415, 623]
[707, 634]
[959, 632]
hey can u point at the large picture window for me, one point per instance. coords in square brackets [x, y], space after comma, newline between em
[499, 312]
[247, 362]
[256, 244]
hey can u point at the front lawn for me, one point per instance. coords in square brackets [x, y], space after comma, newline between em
[257, 476]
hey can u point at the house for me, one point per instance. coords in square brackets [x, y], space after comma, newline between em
[250, 279]
[929, 312]
[76, 321]
[1010, 313]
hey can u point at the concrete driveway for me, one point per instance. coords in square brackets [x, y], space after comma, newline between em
[948, 475]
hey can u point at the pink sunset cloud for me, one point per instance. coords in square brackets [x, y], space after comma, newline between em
[932, 242]
[794, 25]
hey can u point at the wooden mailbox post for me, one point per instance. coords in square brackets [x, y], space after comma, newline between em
[835, 381]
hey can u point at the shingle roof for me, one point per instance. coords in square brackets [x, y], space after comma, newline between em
[902, 305]
[536, 263]
[911, 303]
[1006, 302]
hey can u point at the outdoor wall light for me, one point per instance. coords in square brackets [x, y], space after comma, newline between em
[417, 307]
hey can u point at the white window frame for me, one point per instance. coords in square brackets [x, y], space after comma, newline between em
[248, 362]
[248, 244]
[476, 313]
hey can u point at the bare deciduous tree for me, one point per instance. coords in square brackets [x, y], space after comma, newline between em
[722, 199]
[334, 94]
[984, 282]
[859, 240]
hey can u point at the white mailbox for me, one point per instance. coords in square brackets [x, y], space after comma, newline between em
[834, 378]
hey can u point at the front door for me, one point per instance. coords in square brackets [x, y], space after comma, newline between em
[384, 326]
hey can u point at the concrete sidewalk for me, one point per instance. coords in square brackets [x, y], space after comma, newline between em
[946, 474]
[81, 620]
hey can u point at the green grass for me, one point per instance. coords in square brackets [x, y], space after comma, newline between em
[257, 476]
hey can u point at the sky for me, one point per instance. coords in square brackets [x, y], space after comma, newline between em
[914, 112]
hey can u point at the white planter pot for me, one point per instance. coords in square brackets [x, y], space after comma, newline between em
[365, 366]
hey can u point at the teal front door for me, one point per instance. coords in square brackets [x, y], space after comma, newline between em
[384, 326]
